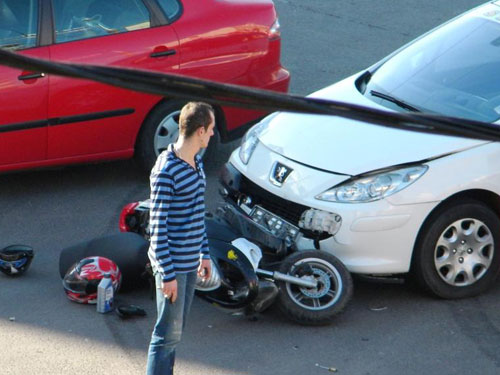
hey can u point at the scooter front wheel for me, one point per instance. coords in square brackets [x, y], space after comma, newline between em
[319, 305]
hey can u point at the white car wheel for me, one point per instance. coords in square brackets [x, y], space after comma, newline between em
[464, 252]
[458, 251]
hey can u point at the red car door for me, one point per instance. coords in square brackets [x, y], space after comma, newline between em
[23, 94]
[93, 120]
[229, 41]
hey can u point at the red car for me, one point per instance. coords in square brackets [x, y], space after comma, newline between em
[50, 120]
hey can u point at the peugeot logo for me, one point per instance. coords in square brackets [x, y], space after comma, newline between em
[279, 174]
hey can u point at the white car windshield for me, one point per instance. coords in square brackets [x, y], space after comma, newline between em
[452, 71]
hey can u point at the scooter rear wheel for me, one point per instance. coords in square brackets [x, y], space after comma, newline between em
[320, 305]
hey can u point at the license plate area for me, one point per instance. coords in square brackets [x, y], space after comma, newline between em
[274, 224]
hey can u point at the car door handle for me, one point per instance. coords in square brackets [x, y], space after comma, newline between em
[167, 52]
[24, 77]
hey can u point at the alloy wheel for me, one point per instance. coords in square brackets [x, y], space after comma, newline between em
[464, 252]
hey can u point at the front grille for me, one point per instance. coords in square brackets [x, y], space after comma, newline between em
[237, 185]
[286, 209]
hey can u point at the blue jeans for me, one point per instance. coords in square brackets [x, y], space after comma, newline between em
[169, 324]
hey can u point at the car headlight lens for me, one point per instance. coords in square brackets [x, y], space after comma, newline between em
[251, 139]
[248, 144]
[374, 187]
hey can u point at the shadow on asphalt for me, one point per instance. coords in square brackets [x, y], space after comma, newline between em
[52, 209]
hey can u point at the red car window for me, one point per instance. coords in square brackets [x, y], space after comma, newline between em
[171, 8]
[18, 24]
[76, 19]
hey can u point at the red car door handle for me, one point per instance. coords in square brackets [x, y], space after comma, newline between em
[167, 52]
[24, 77]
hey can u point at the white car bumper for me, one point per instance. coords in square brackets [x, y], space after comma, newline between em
[374, 238]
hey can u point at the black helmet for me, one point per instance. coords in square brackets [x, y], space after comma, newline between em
[15, 259]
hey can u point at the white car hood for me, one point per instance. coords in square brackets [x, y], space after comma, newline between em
[352, 147]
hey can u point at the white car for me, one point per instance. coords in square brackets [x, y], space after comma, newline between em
[388, 201]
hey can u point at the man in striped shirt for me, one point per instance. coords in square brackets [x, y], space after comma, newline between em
[177, 228]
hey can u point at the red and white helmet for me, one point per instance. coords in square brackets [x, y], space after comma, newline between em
[81, 281]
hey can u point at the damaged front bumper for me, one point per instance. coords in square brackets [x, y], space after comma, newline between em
[269, 219]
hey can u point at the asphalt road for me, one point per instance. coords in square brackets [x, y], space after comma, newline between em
[386, 329]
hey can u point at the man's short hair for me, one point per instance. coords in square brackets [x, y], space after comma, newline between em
[194, 115]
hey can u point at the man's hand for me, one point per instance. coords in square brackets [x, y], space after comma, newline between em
[205, 269]
[169, 289]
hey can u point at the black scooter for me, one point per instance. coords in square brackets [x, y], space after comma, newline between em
[252, 268]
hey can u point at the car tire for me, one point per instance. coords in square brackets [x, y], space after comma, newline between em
[161, 128]
[317, 306]
[457, 254]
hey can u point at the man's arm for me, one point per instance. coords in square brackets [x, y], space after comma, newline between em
[204, 247]
[205, 268]
[162, 187]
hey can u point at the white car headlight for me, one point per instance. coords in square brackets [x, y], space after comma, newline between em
[251, 139]
[248, 144]
[373, 187]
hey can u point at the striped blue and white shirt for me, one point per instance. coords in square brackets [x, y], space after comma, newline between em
[177, 215]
